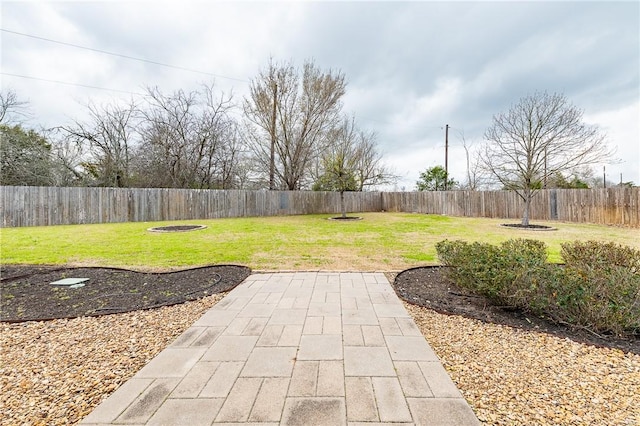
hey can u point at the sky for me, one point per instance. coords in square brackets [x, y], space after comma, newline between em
[411, 67]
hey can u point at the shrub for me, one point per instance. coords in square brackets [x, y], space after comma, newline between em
[598, 288]
[502, 273]
[600, 255]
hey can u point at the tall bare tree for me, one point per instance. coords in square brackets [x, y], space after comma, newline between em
[109, 136]
[288, 116]
[189, 140]
[11, 108]
[543, 134]
[477, 176]
[25, 157]
[68, 158]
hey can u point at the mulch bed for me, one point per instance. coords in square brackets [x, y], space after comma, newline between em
[429, 287]
[26, 293]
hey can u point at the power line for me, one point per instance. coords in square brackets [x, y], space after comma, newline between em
[133, 58]
[71, 84]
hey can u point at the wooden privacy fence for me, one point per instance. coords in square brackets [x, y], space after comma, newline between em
[38, 206]
[608, 206]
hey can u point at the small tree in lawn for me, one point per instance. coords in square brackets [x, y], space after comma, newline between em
[340, 162]
[538, 137]
[435, 179]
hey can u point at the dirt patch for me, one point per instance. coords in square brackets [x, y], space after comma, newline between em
[27, 293]
[429, 287]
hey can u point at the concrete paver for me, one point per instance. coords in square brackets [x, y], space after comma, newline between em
[221, 382]
[367, 361]
[319, 347]
[305, 378]
[330, 378]
[361, 402]
[392, 405]
[270, 362]
[270, 400]
[314, 412]
[307, 348]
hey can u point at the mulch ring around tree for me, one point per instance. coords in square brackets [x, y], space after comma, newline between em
[27, 293]
[530, 227]
[430, 287]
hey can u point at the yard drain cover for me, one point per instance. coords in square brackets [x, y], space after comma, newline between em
[71, 282]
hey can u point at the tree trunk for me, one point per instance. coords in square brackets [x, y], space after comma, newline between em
[527, 206]
[343, 208]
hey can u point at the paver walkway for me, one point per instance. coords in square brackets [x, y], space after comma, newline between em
[295, 349]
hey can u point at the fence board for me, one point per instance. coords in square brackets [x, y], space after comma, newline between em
[39, 206]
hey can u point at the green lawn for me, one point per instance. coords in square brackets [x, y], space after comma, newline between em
[382, 241]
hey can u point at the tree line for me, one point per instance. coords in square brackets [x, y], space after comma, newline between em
[289, 133]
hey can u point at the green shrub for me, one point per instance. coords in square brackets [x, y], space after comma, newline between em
[502, 273]
[598, 288]
[600, 255]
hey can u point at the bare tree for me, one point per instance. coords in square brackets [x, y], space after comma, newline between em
[350, 162]
[476, 174]
[68, 157]
[25, 157]
[109, 138]
[189, 140]
[287, 119]
[539, 136]
[339, 162]
[11, 107]
[162, 157]
[370, 170]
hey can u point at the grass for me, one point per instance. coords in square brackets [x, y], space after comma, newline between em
[382, 241]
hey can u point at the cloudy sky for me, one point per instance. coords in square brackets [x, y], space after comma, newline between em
[411, 67]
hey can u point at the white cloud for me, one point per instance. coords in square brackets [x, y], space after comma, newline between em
[622, 127]
[412, 67]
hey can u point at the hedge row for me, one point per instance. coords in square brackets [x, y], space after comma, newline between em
[598, 287]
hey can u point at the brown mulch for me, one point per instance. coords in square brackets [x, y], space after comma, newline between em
[430, 288]
[27, 293]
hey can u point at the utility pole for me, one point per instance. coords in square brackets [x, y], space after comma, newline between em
[446, 156]
[272, 163]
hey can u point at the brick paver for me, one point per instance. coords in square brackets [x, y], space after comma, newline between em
[295, 348]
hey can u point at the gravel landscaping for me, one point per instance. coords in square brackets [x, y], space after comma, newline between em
[511, 376]
[55, 372]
